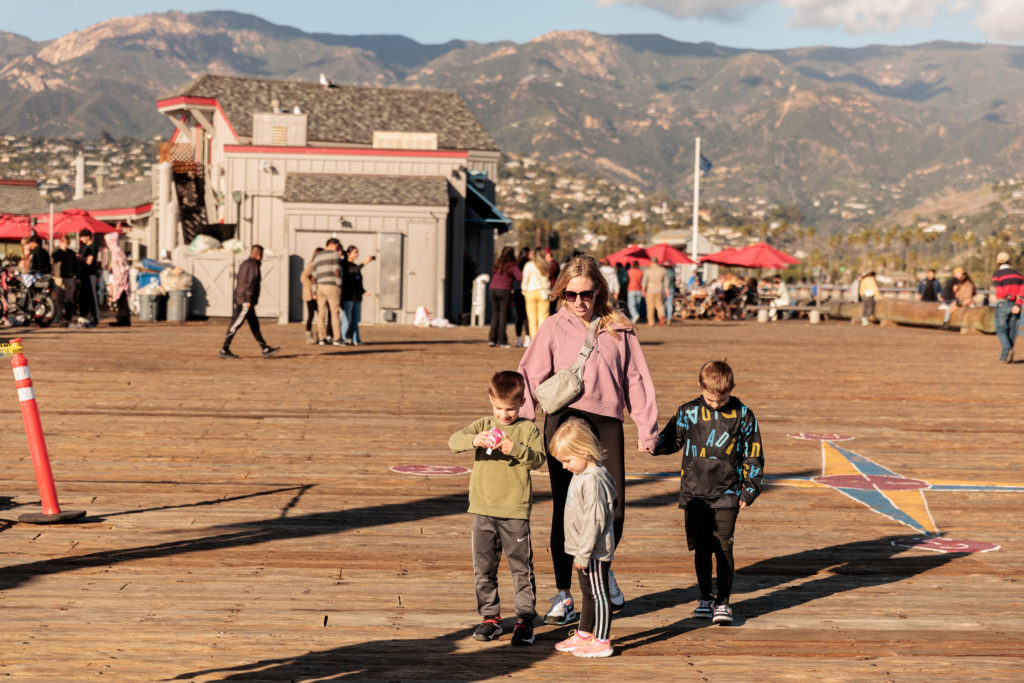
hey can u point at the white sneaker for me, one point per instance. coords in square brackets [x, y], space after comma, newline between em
[526, 341]
[614, 592]
[562, 610]
[723, 614]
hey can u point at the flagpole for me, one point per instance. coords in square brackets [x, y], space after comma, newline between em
[696, 199]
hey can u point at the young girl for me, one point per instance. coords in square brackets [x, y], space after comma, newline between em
[589, 534]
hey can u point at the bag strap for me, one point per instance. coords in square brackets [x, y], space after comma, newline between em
[588, 345]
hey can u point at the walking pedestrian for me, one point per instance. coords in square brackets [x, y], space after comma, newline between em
[247, 295]
[1008, 286]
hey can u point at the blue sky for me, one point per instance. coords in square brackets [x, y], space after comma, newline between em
[762, 24]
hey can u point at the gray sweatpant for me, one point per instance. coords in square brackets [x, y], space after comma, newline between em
[490, 536]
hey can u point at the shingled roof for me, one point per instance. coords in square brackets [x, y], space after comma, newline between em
[128, 196]
[21, 200]
[345, 113]
[366, 189]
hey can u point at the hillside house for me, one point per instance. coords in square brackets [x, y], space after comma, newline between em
[406, 174]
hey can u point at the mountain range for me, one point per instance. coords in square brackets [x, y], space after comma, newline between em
[814, 127]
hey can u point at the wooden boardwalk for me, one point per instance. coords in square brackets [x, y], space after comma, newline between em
[243, 522]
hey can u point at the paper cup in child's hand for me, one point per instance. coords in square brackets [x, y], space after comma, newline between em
[496, 435]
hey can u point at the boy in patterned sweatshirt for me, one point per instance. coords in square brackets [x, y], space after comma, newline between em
[722, 470]
[500, 496]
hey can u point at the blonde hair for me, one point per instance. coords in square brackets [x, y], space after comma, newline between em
[574, 437]
[586, 266]
[539, 263]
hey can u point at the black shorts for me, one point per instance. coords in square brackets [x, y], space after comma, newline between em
[704, 523]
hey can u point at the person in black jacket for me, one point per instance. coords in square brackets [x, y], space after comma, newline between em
[722, 471]
[247, 295]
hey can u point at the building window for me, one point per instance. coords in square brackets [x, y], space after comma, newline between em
[279, 135]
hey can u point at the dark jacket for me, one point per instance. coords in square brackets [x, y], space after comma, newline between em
[39, 261]
[247, 290]
[722, 458]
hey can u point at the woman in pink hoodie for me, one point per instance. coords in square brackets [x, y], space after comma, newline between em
[615, 378]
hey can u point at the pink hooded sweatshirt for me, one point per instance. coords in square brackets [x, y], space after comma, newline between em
[615, 377]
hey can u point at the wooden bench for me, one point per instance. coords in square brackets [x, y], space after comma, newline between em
[793, 308]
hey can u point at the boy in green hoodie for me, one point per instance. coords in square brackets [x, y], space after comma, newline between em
[500, 497]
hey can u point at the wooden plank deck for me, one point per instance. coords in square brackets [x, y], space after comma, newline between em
[244, 524]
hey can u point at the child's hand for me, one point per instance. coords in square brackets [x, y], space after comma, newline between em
[641, 447]
[743, 504]
[482, 440]
[578, 566]
[505, 446]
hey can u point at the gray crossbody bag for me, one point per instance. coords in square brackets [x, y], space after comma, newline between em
[565, 386]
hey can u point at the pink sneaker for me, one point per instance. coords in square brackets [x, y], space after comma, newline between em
[595, 648]
[573, 642]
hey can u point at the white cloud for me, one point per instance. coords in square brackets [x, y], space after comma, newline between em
[726, 10]
[869, 16]
[1002, 20]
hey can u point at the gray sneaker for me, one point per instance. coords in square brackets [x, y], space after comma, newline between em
[705, 609]
[489, 629]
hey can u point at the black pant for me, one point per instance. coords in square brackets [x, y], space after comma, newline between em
[244, 313]
[519, 301]
[596, 611]
[609, 435]
[311, 315]
[499, 316]
[709, 532]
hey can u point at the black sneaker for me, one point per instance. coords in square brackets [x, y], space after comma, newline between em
[522, 632]
[226, 353]
[489, 629]
[270, 351]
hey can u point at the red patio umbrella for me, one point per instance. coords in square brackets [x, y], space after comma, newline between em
[666, 254]
[726, 257]
[626, 257]
[764, 255]
[72, 221]
[14, 227]
[760, 255]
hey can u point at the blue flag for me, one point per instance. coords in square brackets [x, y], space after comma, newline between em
[705, 166]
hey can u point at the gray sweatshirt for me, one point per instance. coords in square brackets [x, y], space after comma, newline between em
[588, 516]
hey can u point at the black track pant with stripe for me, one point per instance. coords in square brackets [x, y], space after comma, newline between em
[244, 313]
[596, 613]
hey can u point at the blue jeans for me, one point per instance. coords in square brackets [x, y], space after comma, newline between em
[633, 300]
[1006, 326]
[353, 312]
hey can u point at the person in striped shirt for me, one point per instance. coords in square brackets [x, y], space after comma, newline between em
[1008, 285]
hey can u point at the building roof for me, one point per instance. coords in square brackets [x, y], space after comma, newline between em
[131, 195]
[21, 199]
[345, 113]
[366, 189]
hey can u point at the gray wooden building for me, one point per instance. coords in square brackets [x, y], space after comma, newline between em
[408, 174]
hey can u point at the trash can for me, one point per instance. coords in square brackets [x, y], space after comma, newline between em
[177, 305]
[147, 307]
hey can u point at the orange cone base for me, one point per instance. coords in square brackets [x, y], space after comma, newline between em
[58, 518]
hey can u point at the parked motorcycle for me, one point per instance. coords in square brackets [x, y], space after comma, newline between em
[25, 299]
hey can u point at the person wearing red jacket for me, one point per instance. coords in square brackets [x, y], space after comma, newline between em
[1008, 285]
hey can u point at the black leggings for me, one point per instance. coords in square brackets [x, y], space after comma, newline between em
[519, 301]
[609, 435]
[596, 609]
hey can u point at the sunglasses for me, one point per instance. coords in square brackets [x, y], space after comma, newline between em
[586, 296]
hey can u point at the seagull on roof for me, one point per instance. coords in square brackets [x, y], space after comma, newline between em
[325, 82]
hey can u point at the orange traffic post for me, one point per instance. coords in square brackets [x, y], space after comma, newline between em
[52, 513]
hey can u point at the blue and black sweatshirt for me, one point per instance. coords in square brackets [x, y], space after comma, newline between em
[723, 462]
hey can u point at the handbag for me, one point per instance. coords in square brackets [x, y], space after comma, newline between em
[565, 386]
